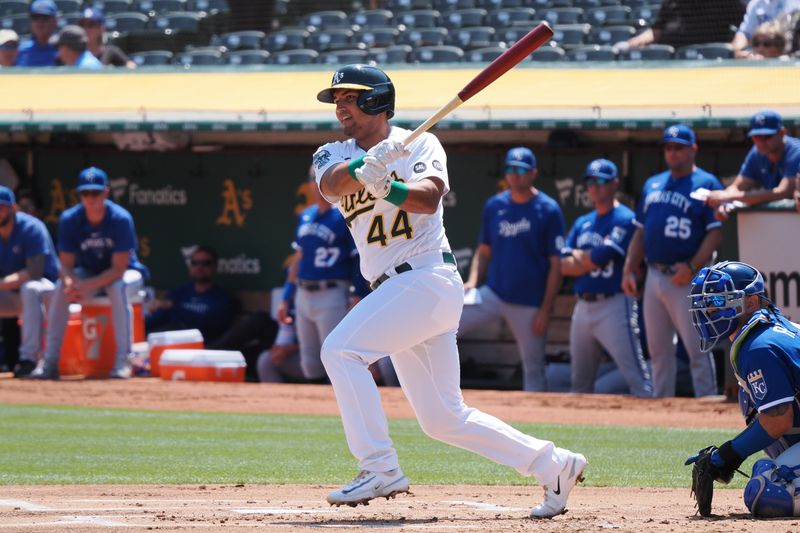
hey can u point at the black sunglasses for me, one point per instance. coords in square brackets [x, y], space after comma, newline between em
[201, 262]
[91, 193]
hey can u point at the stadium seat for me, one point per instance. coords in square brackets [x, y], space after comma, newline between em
[13, 7]
[210, 7]
[200, 58]
[20, 23]
[326, 19]
[471, 38]
[498, 4]
[437, 54]
[644, 15]
[286, 39]
[112, 7]
[294, 57]
[248, 57]
[392, 54]
[611, 34]
[515, 32]
[152, 7]
[153, 58]
[419, 18]
[562, 15]
[608, 15]
[425, 37]
[176, 21]
[240, 40]
[371, 18]
[593, 52]
[68, 6]
[127, 22]
[716, 51]
[651, 52]
[558, 4]
[408, 5]
[484, 55]
[452, 5]
[330, 39]
[501, 18]
[464, 18]
[377, 37]
[571, 35]
[548, 54]
[343, 57]
[69, 18]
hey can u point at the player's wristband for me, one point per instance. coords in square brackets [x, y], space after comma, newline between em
[691, 268]
[289, 288]
[398, 192]
[353, 165]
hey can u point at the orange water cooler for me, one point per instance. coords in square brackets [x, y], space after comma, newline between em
[202, 365]
[171, 340]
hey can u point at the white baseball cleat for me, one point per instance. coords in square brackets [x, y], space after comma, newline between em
[369, 485]
[555, 496]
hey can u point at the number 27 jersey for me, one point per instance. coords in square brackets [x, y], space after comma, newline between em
[385, 234]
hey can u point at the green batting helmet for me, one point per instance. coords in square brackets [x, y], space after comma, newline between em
[377, 90]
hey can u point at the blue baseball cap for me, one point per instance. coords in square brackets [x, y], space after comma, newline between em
[601, 168]
[680, 134]
[92, 179]
[44, 7]
[765, 123]
[7, 196]
[521, 157]
[93, 13]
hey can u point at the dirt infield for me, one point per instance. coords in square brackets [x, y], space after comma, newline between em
[302, 508]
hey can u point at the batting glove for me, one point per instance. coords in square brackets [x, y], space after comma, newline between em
[379, 189]
[388, 151]
[372, 171]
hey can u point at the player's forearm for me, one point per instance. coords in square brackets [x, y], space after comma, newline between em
[13, 281]
[552, 286]
[479, 266]
[338, 181]
[783, 191]
[575, 264]
[709, 244]
[635, 252]
[423, 196]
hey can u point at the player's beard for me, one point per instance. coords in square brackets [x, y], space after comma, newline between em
[204, 279]
[5, 221]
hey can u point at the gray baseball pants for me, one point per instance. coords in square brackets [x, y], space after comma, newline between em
[666, 309]
[30, 303]
[609, 324]
[519, 319]
[316, 314]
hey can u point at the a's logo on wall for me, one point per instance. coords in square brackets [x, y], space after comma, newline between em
[564, 188]
[118, 188]
[60, 199]
[236, 204]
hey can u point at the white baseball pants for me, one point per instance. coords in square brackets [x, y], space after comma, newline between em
[413, 317]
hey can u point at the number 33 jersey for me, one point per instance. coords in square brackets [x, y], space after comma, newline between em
[386, 235]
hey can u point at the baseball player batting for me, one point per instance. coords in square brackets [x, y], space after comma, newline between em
[391, 198]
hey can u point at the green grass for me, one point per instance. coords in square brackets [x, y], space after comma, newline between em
[65, 445]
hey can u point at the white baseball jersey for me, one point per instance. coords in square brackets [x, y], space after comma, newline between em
[386, 235]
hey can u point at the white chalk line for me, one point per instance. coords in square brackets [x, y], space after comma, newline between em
[483, 506]
[281, 510]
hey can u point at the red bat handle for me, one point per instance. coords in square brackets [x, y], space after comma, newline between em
[533, 40]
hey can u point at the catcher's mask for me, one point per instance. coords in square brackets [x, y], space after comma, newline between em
[376, 89]
[717, 299]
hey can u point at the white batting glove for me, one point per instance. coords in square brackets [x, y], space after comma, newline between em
[381, 188]
[371, 171]
[388, 151]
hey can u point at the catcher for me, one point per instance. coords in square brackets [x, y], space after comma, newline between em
[729, 300]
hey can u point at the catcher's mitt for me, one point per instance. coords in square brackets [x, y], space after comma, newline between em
[704, 472]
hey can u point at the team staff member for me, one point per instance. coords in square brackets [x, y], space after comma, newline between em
[40, 49]
[729, 300]
[96, 245]
[603, 318]
[518, 256]
[322, 271]
[770, 169]
[677, 234]
[392, 199]
[28, 268]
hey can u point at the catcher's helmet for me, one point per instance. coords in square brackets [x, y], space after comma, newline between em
[717, 299]
[377, 90]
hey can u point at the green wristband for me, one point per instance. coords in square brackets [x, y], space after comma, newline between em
[398, 192]
[353, 165]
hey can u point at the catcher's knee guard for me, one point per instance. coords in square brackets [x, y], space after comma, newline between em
[769, 494]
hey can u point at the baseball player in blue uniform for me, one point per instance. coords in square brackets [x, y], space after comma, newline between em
[521, 238]
[96, 245]
[770, 169]
[28, 268]
[603, 318]
[676, 234]
[728, 300]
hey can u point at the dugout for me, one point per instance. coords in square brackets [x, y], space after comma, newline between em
[219, 155]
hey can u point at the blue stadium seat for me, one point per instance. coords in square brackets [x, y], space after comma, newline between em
[377, 37]
[500, 4]
[112, 7]
[484, 55]
[570, 35]
[452, 5]
[471, 38]
[210, 7]
[248, 57]
[715, 51]
[343, 57]
[153, 58]
[418, 18]
[464, 18]
[68, 6]
[398, 53]
[372, 17]
[437, 54]
[286, 39]
[644, 15]
[294, 57]
[176, 21]
[651, 52]
[501, 18]
[13, 7]
[608, 15]
[240, 40]
[562, 15]
[330, 39]
[593, 52]
[515, 32]
[127, 22]
[152, 7]
[408, 5]
[611, 34]
[68, 18]
[326, 19]
[549, 54]
[200, 58]
[425, 37]
[20, 23]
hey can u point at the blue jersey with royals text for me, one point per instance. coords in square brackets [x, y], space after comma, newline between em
[675, 223]
[29, 238]
[607, 236]
[93, 245]
[522, 237]
[210, 311]
[759, 168]
[32, 54]
[766, 353]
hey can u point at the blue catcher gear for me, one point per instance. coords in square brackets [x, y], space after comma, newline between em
[717, 299]
[770, 491]
[377, 90]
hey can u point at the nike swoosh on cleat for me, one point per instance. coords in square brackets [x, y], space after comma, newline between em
[558, 487]
[348, 491]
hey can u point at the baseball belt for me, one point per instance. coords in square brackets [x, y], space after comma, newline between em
[596, 296]
[447, 257]
[313, 286]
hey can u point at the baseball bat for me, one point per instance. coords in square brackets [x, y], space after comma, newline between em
[502, 64]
